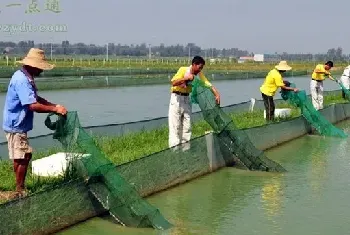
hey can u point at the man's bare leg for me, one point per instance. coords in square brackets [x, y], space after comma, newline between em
[21, 168]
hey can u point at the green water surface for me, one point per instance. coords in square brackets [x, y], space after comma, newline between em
[313, 197]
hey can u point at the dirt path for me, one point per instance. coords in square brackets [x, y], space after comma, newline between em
[7, 196]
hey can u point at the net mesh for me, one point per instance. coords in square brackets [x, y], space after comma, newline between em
[70, 203]
[345, 91]
[104, 182]
[321, 124]
[234, 140]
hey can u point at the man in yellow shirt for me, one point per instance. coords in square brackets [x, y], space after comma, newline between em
[180, 108]
[268, 89]
[316, 84]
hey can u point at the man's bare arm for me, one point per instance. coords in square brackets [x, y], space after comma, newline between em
[319, 71]
[42, 108]
[216, 94]
[43, 101]
[182, 80]
[290, 88]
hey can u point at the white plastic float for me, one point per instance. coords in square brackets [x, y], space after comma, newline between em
[55, 164]
[281, 113]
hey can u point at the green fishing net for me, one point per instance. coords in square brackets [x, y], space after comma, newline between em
[233, 140]
[104, 182]
[345, 91]
[321, 124]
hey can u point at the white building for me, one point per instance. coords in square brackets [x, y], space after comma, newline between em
[259, 57]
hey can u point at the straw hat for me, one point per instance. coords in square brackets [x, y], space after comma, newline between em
[283, 66]
[36, 58]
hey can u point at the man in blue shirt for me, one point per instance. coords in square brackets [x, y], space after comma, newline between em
[21, 102]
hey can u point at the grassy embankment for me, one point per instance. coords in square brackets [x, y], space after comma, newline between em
[135, 145]
[167, 63]
[125, 72]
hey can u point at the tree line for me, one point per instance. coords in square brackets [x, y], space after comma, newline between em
[145, 50]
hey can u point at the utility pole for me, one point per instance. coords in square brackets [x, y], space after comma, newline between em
[51, 52]
[107, 52]
[149, 51]
[189, 53]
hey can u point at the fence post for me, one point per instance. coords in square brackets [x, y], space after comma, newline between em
[210, 149]
[216, 160]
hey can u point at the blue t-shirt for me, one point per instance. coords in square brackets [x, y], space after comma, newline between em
[21, 92]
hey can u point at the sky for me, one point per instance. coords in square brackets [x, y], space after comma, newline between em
[259, 26]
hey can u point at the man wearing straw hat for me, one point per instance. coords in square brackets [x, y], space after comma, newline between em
[268, 89]
[316, 84]
[21, 102]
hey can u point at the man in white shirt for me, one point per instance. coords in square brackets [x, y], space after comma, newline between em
[345, 79]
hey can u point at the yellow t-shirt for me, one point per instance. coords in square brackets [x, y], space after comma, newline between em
[272, 81]
[180, 74]
[320, 76]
